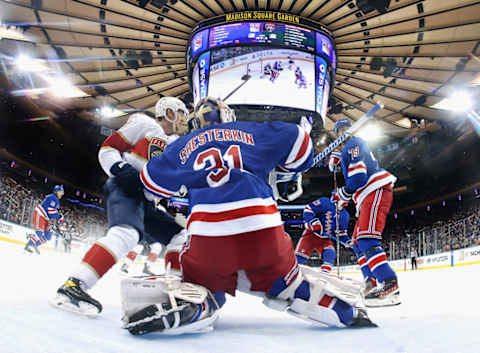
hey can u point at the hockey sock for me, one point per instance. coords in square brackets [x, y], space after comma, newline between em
[362, 262]
[104, 254]
[328, 257]
[376, 259]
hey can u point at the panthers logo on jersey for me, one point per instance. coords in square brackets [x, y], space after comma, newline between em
[156, 147]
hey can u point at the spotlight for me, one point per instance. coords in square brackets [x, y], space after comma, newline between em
[371, 132]
[26, 64]
[459, 101]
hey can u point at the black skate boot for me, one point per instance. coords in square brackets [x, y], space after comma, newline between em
[72, 297]
[362, 319]
[386, 295]
[124, 268]
[36, 248]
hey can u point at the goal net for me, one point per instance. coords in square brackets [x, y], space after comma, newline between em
[255, 67]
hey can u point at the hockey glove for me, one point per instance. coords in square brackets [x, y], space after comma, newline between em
[61, 219]
[341, 198]
[127, 178]
[334, 160]
[314, 226]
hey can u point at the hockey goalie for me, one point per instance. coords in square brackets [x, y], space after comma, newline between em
[237, 241]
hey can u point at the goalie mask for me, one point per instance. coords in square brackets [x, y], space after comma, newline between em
[179, 110]
[211, 111]
[286, 186]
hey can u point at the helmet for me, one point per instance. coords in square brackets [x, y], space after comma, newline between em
[172, 103]
[58, 188]
[211, 111]
[341, 124]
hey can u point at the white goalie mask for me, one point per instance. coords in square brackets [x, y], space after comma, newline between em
[177, 107]
[286, 186]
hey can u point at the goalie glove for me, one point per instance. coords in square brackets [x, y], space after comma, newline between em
[334, 160]
[314, 226]
[341, 198]
[127, 178]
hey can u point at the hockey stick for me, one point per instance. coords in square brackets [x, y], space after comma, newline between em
[335, 185]
[349, 133]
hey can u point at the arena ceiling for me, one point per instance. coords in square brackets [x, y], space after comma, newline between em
[433, 45]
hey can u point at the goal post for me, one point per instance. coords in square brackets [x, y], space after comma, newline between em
[255, 67]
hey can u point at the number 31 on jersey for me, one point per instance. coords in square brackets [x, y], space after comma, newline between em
[212, 159]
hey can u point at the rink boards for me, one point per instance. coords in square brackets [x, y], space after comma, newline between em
[16, 234]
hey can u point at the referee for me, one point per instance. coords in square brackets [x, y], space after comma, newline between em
[414, 255]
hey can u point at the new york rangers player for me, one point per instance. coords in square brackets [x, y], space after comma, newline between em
[370, 187]
[130, 216]
[237, 239]
[320, 222]
[43, 213]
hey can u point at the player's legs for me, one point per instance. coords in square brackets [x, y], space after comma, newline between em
[304, 247]
[125, 217]
[369, 228]
[328, 256]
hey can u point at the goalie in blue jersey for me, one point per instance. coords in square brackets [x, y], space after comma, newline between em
[237, 239]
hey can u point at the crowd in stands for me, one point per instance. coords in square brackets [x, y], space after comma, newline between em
[19, 195]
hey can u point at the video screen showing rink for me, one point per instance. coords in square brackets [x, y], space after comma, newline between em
[439, 313]
[253, 75]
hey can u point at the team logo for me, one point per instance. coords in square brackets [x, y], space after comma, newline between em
[52, 203]
[156, 147]
[326, 47]
[254, 27]
[197, 43]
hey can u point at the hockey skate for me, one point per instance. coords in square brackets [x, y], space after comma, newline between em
[386, 295]
[370, 284]
[71, 297]
[146, 270]
[362, 319]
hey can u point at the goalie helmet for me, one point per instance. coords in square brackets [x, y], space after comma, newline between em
[175, 105]
[340, 124]
[211, 111]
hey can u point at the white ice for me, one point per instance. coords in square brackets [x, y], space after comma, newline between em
[440, 313]
[260, 90]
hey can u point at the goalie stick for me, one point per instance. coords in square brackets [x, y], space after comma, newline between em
[349, 133]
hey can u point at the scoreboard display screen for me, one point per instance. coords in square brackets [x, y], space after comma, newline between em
[278, 34]
[264, 59]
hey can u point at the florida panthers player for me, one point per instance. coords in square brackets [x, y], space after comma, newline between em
[237, 239]
[43, 213]
[320, 227]
[130, 216]
[370, 187]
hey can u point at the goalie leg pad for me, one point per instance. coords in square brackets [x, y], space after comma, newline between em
[166, 305]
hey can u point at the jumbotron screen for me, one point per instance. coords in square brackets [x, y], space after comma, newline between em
[263, 63]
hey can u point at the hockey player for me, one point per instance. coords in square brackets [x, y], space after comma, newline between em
[370, 187]
[130, 216]
[291, 63]
[237, 239]
[298, 74]
[302, 81]
[320, 227]
[142, 252]
[43, 213]
[267, 69]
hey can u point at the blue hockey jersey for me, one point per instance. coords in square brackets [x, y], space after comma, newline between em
[49, 207]
[361, 170]
[225, 169]
[324, 210]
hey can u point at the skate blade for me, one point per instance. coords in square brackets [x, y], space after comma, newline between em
[380, 303]
[63, 303]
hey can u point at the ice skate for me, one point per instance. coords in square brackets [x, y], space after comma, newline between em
[386, 295]
[71, 297]
[362, 319]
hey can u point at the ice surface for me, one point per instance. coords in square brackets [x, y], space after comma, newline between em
[440, 313]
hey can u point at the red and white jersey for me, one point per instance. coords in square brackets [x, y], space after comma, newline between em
[140, 139]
